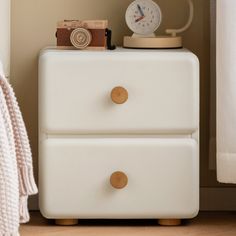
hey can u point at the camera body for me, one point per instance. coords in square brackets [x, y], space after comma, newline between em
[86, 34]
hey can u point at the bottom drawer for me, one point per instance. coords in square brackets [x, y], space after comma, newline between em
[162, 174]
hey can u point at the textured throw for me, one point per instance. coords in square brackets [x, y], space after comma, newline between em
[16, 171]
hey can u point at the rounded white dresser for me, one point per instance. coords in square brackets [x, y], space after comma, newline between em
[119, 134]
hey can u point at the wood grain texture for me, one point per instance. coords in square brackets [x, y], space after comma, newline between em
[169, 222]
[155, 42]
[88, 24]
[206, 224]
[119, 95]
[66, 222]
[119, 180]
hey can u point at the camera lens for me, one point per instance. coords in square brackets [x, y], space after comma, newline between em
[80, 38]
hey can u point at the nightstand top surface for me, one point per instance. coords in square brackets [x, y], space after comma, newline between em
[118, 51]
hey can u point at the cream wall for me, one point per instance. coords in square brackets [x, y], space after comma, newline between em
[33, 27]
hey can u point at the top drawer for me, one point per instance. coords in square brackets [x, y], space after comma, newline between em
[75, 92]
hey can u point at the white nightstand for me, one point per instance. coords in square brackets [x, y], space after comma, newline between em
[119, 134]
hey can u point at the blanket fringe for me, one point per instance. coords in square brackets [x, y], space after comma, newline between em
[27, 184]
[23, 209]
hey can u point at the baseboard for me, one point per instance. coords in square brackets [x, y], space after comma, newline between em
[211, 199]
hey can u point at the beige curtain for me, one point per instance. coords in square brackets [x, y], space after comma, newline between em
[226, 91]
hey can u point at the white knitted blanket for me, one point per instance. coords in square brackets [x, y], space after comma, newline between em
[16, 171]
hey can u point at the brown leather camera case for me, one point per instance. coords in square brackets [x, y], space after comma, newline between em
[96, 28]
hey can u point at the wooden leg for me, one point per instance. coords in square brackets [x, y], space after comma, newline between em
[169, 222]
[66, 222]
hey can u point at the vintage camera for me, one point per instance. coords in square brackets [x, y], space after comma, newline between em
[87, 34]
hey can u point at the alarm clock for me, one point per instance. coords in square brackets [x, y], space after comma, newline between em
[143, 17]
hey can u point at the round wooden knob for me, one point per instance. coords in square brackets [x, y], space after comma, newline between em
[118, 180]
[119, 95]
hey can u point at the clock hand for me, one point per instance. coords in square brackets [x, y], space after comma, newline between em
[140, 10]
[139, 19]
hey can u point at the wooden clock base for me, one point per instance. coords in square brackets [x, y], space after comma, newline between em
[153, 42]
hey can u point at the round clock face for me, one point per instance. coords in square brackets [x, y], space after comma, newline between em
[143, 17]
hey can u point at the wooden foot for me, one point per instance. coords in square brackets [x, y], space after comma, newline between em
[66, 222]
[169, 222]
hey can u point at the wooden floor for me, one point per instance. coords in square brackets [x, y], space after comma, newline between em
[210, 224]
